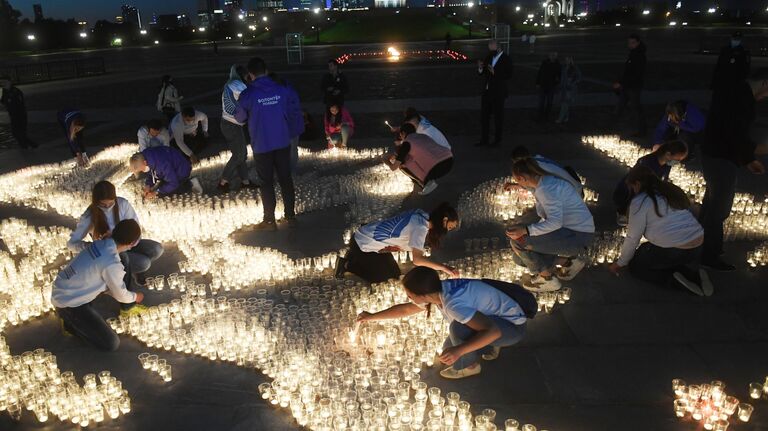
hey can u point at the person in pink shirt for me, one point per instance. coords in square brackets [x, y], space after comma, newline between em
[339, 125]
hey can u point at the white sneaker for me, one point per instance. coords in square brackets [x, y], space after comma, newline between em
[569, 272]
[541, 284]
[688, 284]
[428, 188]
[453, 374]
[196, 186]
[494, 354]
[706, 283]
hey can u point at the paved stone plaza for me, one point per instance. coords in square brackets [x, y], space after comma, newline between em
[603, 361]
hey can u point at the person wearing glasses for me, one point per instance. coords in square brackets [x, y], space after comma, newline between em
[99, 220]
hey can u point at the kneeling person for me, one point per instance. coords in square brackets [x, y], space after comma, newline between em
[484, 316]
[169, 172]
[420, 158]
[95, 270]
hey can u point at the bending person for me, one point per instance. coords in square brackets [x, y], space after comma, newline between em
[371, 247]
[153, 134]
[484, 316]
[95, 270]
[72, 122]
[550, 247]
[660, 212]
[660, 162]
[99, 220]
[169, 172]
[420, 158]
[339, 125]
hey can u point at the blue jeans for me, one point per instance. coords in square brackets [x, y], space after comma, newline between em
[459, 333]
[538, 253]
[139, 259]
[86, 323]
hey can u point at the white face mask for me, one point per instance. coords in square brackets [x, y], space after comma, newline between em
[673, 162]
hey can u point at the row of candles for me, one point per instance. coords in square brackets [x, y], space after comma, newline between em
[33, 381]
[749, 215]
[157, 365]
[710, 405]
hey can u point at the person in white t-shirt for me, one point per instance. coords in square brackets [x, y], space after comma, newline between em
[371, 248]
[482, 317]
[100, 218]
[424, 126]
[153, 134]
[660, 212]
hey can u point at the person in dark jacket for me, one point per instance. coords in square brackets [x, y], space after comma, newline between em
[13, 101]
[495, 70]
[547, 81]
[268, 108]
[630, 86]
[682, 120]
[168, 171]
[733, 63]
[727, 147]
[335, 86]
[72, 122]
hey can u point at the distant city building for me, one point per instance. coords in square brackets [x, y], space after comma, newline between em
[38, 8]
[269, 4]
[131, 16]
[389, 3]
[584, 6]
[553, 9]
[171, 22]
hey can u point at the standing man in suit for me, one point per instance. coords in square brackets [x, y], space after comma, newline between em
[495, 70]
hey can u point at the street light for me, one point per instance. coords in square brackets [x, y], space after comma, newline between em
[646, 12]
[517, 8]
[83, 35]
[470, 4]
[31, 37]
[241, 17]
[240, 35]
[202, 29]
[712, 10]
[143, 32]
[157, 42]
[264, 18]
[316, 10]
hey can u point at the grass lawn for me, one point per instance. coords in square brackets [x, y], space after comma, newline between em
[393, 28]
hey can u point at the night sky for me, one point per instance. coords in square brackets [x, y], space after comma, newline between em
[93, 10]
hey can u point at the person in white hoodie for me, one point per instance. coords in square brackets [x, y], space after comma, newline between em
[565, 228]
[189, 129]
[96, 270]
[234, 131]
[99, 220]
[660, 212]
[153, 134]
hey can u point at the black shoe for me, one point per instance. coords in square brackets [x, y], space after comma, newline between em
[481, 144]
[718, 264]
[269, 226]
[341, 267]
[224, 188]
[291, 221]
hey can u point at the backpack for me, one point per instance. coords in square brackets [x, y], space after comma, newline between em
[524, 298]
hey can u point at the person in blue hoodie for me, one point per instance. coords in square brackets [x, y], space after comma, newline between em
[72, 123]
[682, 120]
[96, 270]
[168, 172]
[266, 106]
[296, 124]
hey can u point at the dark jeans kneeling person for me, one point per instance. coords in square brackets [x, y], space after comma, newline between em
[96, 270]
[484, 316]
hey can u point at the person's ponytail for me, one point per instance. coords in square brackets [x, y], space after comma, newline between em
[652, 186]
[437, 231]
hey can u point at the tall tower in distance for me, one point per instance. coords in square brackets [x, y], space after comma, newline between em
[131, 16]
[38, 8]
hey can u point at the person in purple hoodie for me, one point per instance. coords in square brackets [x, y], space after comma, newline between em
[683, 121]
[267, 105]
[168, 171]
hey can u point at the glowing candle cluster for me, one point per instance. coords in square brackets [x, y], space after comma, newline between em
[26, 272]
[708, 404]
[759, 256]
[33, 381]
[154, 363]
[749, 216]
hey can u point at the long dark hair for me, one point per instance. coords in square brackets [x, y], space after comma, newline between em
[675, 146]
[103, 190]
[438, 231]
[423, 281]
[334, 120]
[654, 187]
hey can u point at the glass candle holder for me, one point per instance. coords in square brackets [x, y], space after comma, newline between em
[745, 412]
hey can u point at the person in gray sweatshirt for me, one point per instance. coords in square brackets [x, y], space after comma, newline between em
[96, 270]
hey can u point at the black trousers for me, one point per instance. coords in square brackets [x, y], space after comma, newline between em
[546, 97]
[371, 266]
[492, 105]
[439, 170]
[632, 97]
[656, 264]
[19, 129]
[267, 165]
[720, 175]
[85, 322]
